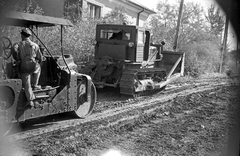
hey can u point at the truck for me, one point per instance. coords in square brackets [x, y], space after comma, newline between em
[125, 57]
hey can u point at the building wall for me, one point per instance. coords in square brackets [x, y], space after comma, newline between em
[56, 8]
[108, 5]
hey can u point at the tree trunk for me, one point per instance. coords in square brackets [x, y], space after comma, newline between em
[178, 25]
[223, 49]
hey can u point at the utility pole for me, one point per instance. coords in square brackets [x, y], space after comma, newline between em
[237, 57]
[175, 46]
[224, 44]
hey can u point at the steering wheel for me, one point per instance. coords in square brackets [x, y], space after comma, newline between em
[6, 46]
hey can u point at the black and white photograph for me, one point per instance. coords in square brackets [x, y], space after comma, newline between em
[119, 78]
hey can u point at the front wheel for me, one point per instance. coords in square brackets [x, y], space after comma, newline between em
[85, 107]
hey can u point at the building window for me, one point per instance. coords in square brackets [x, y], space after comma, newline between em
[94, 10]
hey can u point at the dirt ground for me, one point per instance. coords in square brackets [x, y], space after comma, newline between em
[192, 118]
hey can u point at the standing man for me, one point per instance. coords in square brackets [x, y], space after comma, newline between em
[28, 57]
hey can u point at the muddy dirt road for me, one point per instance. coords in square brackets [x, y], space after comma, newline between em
[194, 118]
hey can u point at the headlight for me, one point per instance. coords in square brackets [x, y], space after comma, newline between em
[95, 42]
[130, 44]
[152, 49]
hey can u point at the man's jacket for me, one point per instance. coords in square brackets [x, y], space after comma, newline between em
[28, 56]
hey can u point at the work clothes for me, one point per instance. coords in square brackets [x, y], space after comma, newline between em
[29, 57]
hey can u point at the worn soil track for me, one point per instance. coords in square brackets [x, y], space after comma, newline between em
[188, 118]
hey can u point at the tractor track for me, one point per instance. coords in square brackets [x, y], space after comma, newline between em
[117, 100]
[110, 105]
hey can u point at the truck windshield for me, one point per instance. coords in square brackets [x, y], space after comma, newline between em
[115, 34]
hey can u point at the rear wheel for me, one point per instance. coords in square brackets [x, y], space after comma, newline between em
[85, 107]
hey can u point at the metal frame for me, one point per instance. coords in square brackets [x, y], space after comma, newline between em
[25, 20]
[30, 20]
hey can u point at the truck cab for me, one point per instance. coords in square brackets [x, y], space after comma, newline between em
[123, 42]
[126, 58]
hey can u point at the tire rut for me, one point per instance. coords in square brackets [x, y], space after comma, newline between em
[119, 110]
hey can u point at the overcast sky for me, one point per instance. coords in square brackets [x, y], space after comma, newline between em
[151, 4]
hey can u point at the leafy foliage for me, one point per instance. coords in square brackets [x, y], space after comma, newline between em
[199, 34]
[201, 58]
[27, 6]
[77, 40]
[163, 23]
[216, 20]
[73, 10]
[116, 16]
[230, 61]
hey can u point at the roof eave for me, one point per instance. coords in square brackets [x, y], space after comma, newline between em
[149, 11]
[26, 19]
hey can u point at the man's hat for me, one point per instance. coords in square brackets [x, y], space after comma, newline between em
[26, 32]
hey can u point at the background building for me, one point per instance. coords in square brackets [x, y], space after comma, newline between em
[96, 8]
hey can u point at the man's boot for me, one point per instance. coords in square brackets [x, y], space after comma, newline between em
[30, 104]
[36, 87]
[37, 105]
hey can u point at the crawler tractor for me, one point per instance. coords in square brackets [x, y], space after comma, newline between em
[125, 58]
[62, 88]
